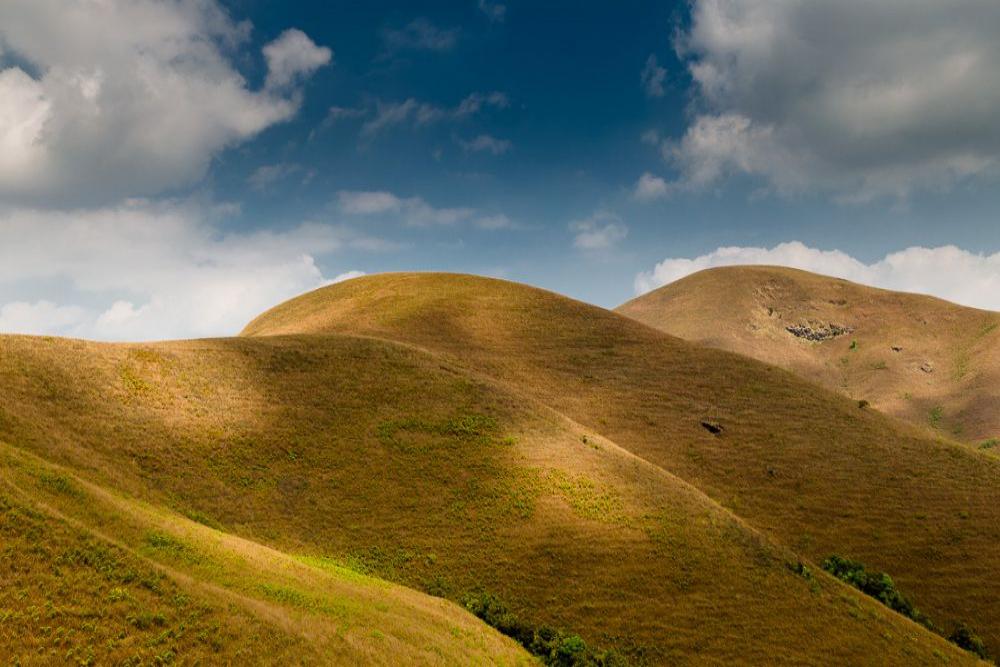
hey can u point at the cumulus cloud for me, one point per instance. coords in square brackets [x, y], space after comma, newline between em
[601, 231]
[496, 12]
[857, 99]
[485, 143]
[292, 57]
[650, 187]
[414, 211]
[152, 270]
[947, 272]
[652, 77]
[130, 97]
[419, 34]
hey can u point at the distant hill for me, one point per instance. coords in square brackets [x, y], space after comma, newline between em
[928, 361]
[805, 465]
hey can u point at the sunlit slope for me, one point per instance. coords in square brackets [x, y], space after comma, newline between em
[364, 456]
[93, 577]
[808, 466]
[925, 360]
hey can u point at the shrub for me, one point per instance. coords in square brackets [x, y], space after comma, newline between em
[554, 647]
[878, 585]
[963, 637]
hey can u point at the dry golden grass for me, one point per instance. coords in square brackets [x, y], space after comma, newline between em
[359, 455]
[93, 577]
[804, 465]
[930, 362]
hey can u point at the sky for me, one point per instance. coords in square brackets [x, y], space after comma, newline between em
[171, 168]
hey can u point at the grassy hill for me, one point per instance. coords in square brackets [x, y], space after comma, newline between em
[930, 362]
[806, 466]
[93, 576]
[286, 471]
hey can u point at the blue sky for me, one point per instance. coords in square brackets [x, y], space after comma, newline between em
[174, 166]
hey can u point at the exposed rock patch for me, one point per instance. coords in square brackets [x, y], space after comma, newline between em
[818, 333]
[715, 428]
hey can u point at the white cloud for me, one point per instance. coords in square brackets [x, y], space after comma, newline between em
[129, 97]
[267, 176]
[39, 317]
[854, 98]
[650, 188]
[493, 222]
[292, 57]
[347, 275]
[146, 270]
[601, 231]
[414, 211]
[419, 34]
[475, 102]
[389, 114]
[652, 77]
[946, 272]
[485, 143]
[495, 11]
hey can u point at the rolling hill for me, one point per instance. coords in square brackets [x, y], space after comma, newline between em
[928, 361]
[804, 465]
[283, 472]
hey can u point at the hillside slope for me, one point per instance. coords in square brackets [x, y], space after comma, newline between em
[353, 455]
[799, 462]
[922, 359]
[94, 577]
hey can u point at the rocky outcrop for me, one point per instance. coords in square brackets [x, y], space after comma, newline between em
[819, 332]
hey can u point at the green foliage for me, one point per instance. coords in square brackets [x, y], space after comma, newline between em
[878, 585]
[963, 637]
[936, 415]
[854, 345]
[989, 444]
[553, 647]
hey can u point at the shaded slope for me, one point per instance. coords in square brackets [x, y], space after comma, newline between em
[361, 454]
[804, 464]
[94, 577]
[922, 359]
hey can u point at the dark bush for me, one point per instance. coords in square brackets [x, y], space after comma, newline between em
[554, 647]
[964, 637]
[880, 586]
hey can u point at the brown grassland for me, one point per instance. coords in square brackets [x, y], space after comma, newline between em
[252, 498]
[806, 466]
[924, 360]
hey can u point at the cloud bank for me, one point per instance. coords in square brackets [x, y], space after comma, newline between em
[947, 272]
[123, 98]
[856, 99]
[147, 270]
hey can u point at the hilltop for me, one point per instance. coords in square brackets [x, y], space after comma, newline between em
[928, 361]
[803, 464]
